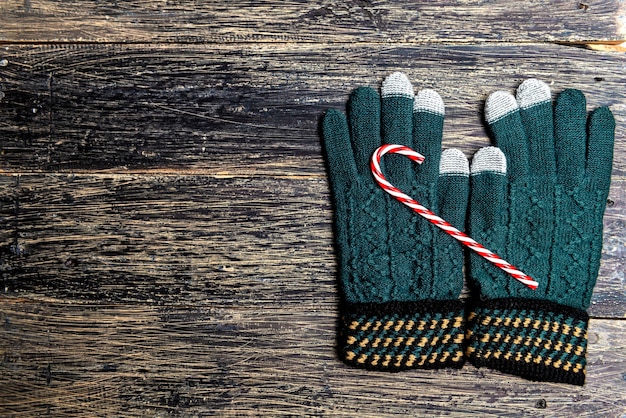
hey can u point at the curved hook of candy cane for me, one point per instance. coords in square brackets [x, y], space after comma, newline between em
[462, 237]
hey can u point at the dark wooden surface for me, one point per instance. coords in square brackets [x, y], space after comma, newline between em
[165, 224]
[322, 21]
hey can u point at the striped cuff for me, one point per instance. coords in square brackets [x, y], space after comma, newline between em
[397, 336]
[537, 340]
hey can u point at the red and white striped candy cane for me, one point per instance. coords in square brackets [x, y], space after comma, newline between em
[462, 237]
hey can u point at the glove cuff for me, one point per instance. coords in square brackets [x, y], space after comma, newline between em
[535, 339]
[396, 336]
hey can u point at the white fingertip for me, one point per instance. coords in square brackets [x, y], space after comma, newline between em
[453, 162]
[489, 159]
[397, 84]
[498, 105]
[429, 101]
[533, 92]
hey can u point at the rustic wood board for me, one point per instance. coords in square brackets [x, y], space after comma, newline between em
[185, 239]
[165, 225]
[237, 109]
[249, 359]
[320, 21]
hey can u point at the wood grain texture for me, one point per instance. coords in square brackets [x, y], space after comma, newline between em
[156, 240]
[318, 21]
[251, 108]
[165, 225]
[172, 239]
[255, 359]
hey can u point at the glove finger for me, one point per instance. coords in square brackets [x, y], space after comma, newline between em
[453, 191]
[364, 116]
[397, 126]
[453, 187]
[337, 146]
[488, 219]
[534, 100]
[428, 114]
[600, 147]
[503, 116]
[570, 134]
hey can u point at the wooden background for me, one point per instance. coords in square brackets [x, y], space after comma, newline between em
[165, 225]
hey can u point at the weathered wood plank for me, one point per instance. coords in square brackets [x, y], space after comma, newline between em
[8, 219]
[189, 360]
[179, 261]
[250, 108]
[171, 239]
[165, 228]
[156, 240]
[320, 21]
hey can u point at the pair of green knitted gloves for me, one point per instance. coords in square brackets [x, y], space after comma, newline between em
[536, 199]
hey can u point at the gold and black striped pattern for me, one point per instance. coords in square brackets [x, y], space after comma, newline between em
[533, 343]
[391, 343]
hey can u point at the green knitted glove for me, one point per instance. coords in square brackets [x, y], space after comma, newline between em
[543, 213]
[400, 278]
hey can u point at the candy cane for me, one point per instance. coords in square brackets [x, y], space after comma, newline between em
[462, 237]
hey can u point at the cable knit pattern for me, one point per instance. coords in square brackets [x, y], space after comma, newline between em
[580, 211]
[547, 228]
[368, 242]
[545, 217]
[530, 232]
[400, 245]
[400, 277]
[412, 241]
